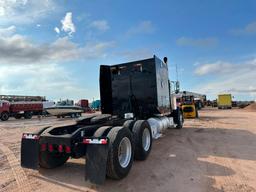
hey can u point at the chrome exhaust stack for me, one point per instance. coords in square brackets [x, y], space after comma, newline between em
[159, 125]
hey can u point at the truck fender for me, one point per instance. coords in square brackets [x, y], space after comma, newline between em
[96, 160]
[30, 149]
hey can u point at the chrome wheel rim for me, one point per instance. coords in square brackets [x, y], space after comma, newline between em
[125, 152]
[146, 139]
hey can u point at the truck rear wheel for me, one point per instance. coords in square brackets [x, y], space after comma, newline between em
[178, 118]
[73, 115]
[28, 115]
[197, 116]
[129, 124]
[101, 131]
[142, 139]
[51, 160]
[5, 116]
[121, 152]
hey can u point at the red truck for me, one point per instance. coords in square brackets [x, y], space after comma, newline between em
[19, 109]
[84, 103]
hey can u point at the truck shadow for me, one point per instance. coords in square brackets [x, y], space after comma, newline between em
[182, 160]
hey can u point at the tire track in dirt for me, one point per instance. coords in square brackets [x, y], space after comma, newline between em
[227, 180]
[243, 184]
[23, 183]
[227, 183]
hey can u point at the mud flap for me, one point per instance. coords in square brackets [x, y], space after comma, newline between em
[96, 162]
[29, 153]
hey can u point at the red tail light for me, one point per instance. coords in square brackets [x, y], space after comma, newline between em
[68, 149]
[60, 148]
[86, 141]
[50, 147]
[43, 147]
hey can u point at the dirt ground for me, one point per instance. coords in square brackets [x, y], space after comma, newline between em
[214, 153]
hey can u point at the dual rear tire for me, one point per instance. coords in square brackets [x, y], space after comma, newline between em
[121, 152]
[142, 137]
[133, 140]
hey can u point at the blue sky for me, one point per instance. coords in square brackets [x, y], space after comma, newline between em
[54, 48]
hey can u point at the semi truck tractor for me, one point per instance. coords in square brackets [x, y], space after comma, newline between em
[18, 110]
[137, 107]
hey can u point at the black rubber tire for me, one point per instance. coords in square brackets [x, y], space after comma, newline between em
[114, 169]
[178, 118]
[73, 115]
[129, 124]
[5, 116]
[28, 115]
[101, 131]
[51, 160]
[77, 115]
[138, 128]
[58, 116]
[18, 116]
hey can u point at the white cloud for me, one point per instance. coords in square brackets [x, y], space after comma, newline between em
[67, 24]
[57, 30]
[136, 54]
[144, 27]
[213, 68]
[7, 31]
[249, 29]
[101, 25]
[38, 25]
[199, 42]
[96, 49]
[2, 11]
[51, 80]
[19, 49]
[24, 11]
[236, 78]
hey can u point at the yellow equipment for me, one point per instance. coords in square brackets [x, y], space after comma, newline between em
[225, 101]
[188, 107]
[189, 111]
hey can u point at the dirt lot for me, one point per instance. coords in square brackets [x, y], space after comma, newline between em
[216, 152]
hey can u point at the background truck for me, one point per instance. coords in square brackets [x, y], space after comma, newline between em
[19, 109]
[224, 101]
[136, 107]
[84, 103]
